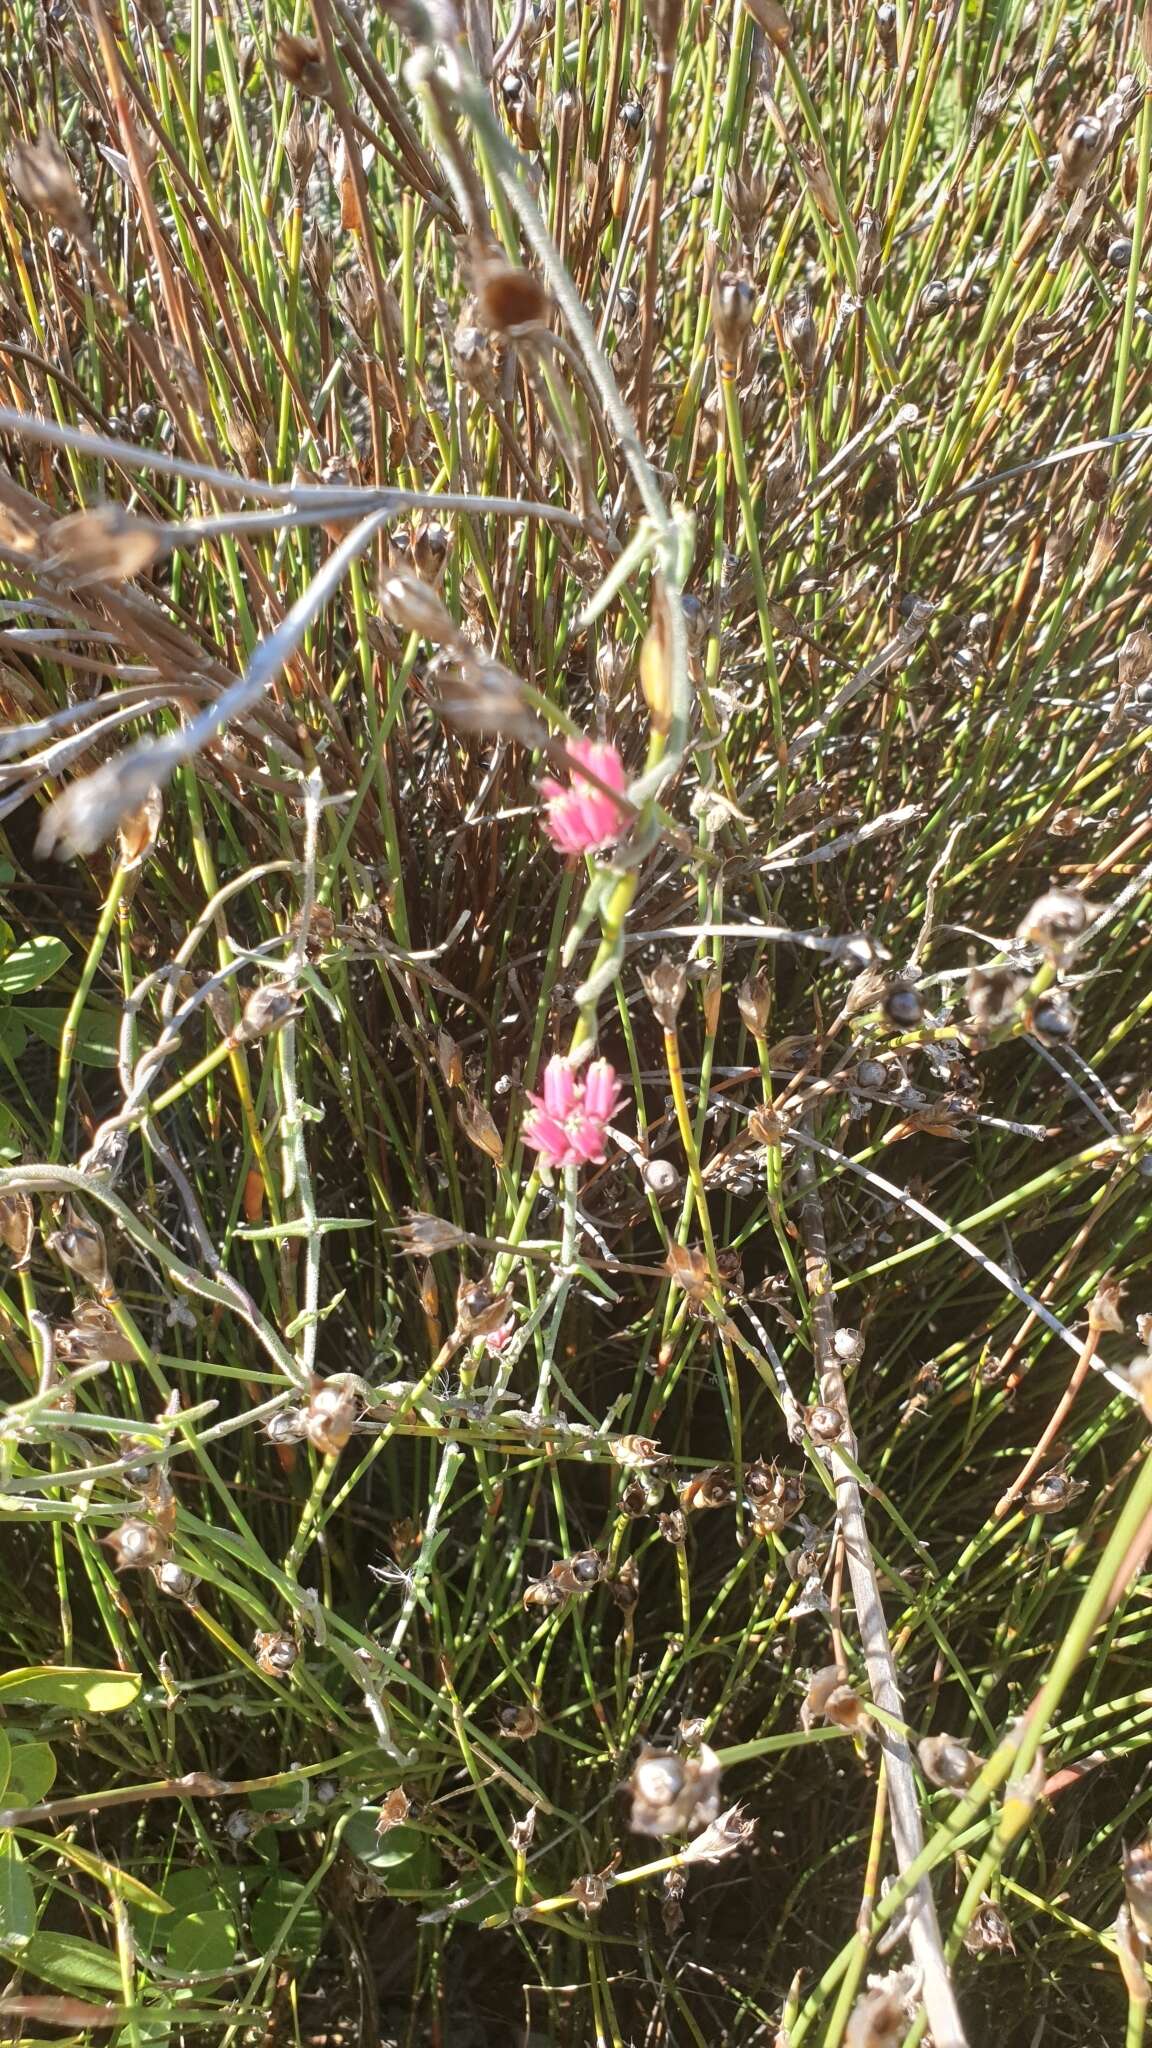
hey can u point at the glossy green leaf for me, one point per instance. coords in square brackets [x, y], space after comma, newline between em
[72, 1964]
[205, 1940]
[17, 1899]
[29, 966]
[74, 1686]
[31, 1774]
[5, 1766]
[97, 1034]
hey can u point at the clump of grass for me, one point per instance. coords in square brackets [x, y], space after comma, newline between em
[595, 555]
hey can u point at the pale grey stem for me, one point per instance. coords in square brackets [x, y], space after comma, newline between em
[907, 1830]
[297, 1170]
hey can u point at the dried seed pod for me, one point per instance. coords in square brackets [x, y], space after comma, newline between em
[903, 1007]
[332, 1414]
[412, 604]
[478, 1310]
[1079, 154]
[43, 181]
[509, 299]
[848, 1346]
[823, 1423]
[93, 1336]
[870, 238]
[671, 1912]
[754, 1002]
[936, 298]
[673, 1527]
[1140, 1376]
[988, 1930]
[1104, 1307]
[17, 1226]
[662, 1179]
[665, 988]
[674, 1795]
[300, 60]
[872, 1075]
[589, 1894]
[733, 298]
[288, 1426]
[639, 1497]
[80, 1246]
[275, 1653]
[801, 338]
[136, 1543]
[423, 1235]
[517, 1722]
[103, 544]
[1053, 1016]
[137, 831]
[173, 1579]
[637, 1453]
[585, 1569]
[722, 1837]
[430, 545]
[829, 1698]
[1053, 1492]
[774, 1498]
[711, 1489]
[878, 2020]
[993, 993]
[947, 1761]
[543, 1596]
[624, 1586]
[395, 1808]
[267, 1009]
[479, 1127]
[1057, 922]
[688, 1267]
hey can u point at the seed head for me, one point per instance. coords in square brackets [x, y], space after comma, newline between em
[173, 1579]
[332, 1414]
[988, 1930]
[518, 1722]
[423, 1235]
[509, 299]
[665, 988]
[674, 1795]
[394, 1810]
[80, 1246]
[754, 1002]
[1057, 922]
[829, 1698]
[267, 1009]
[136, 1543]
[276, 1654]
[711, 1489]
[17, 1225]
[773, 19]
[300, 60]
[733, 298]
[662, 1179]
[947, 1761]
[137, 831]
[1053, 1492]
[42, 179]
[1079, 153]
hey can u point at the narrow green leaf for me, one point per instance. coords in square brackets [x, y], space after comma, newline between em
[70, 1963]
[17, 1899]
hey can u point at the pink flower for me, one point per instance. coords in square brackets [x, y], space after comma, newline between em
[566, 1124]
[581, 817]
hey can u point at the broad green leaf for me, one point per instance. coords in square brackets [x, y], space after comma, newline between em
[29, 966]
[71, 1964]
[97, 1034]
[205, 1940]
[17, 1899]
[31, 1774]
[13, 1034]
[407, 1851]
[74, 1686]
[5, 1766]
[279, 1898]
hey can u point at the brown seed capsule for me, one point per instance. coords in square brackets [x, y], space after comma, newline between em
[662, 1179]
[589, 1894]
[829, 1698]
[878, 2020]
[42, 179]
[1053, 1492]
[722, 1837]
[332, 1414]
[276, 1654]
[266, 1009]
[671, 1912]
[412, 604]
[988, 1930]
[993, 993]
[543, 1596]
[1079, 153]
[478, 1310]
[1057, 922]
[103, 544]
[137, 831]
[801, 338]
[711, 1489]
[637, 1453]
[135, 1543]
[289, 1426]
[673, 1527]
[80, 1246]
[870, 238]
[673, 1795]
[665, 988]
[517, 1722]
[423, 1235]
[773, 19]
[585, 1569]
[479, 1127]
[509, 300]
[624, 1586]
[754, 1002]
[300, 60]
[947, 1761]
[777, 1504]
[395, 1808]
[174, 1580]
[733, 299]
[688, 1267]
[902, 1007]
[430, 545]
[17, 1225]
[824, 1424]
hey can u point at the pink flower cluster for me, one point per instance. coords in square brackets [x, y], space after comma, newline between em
[580, 816]
[566, 1124]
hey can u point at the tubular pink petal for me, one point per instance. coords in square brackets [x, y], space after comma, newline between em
[559, 1087]
[600, 1090]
